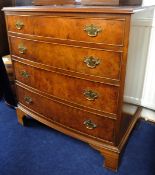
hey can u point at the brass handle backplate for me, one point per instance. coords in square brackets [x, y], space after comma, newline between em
[92, 30]
[90, 95]
[89, 124]
[25, 74]
[91, 62]
[19, 25]
[28, 100]
[22, 49]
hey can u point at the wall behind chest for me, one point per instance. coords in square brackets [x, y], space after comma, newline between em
[140, 86]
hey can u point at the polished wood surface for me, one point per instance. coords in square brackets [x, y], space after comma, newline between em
[78, 9]
[68, 88]
[73, 61]
[56, 86]
[112, 29]
[72, 117]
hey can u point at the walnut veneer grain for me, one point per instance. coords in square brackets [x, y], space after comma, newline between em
[109, 66]
[69, 28]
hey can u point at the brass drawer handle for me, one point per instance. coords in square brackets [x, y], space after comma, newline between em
[89, 124]
[91, 62]
[28, 100]
[19, 25]
[25, 74]
[92, 30]
[22, 49]
[90, 95]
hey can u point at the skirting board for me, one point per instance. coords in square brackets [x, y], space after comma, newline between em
[148, 115]
[148, 112]
[132, 100]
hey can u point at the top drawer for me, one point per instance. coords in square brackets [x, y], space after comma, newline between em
[91, 30]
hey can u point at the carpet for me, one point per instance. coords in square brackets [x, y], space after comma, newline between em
[39, 150]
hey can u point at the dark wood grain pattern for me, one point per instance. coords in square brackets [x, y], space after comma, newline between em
[56, 86]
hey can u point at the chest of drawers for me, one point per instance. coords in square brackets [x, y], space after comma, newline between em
[70, 67]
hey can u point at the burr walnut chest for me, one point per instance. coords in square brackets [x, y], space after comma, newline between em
[70, 68]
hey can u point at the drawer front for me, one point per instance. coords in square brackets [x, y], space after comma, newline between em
[77, 119]
[94, 30]
[76, 59]
[86, 93]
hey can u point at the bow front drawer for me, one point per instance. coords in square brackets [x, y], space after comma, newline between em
[100, 63]
[91, 30]
[79, 120]
[88, 94]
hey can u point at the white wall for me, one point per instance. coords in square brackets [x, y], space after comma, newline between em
[148, 95]
[140, 79]
[138, 56]
[148, 2]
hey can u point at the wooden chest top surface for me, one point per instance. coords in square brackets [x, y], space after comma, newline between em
[80, 9]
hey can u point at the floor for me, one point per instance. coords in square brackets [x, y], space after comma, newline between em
[39, 150]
